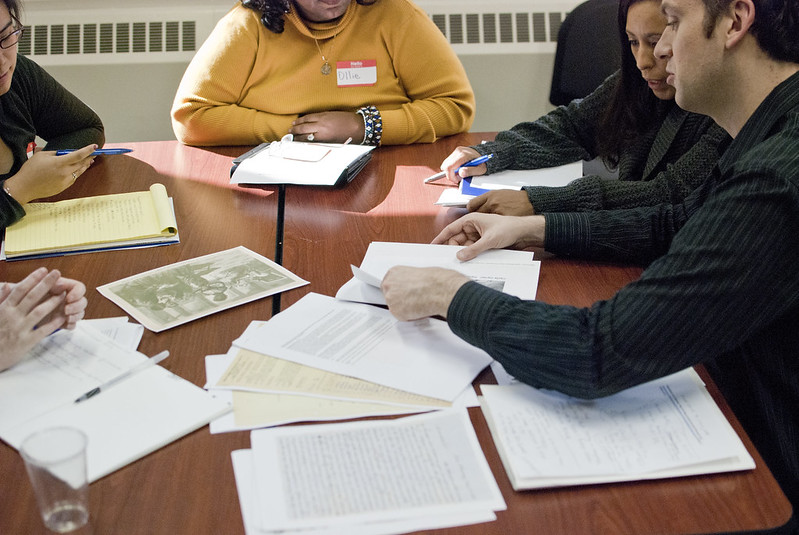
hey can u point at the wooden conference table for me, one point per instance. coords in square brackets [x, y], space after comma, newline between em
[188, 486]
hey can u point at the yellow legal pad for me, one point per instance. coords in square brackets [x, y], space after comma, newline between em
[138, 219]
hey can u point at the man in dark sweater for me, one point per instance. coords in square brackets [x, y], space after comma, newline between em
[720, 288]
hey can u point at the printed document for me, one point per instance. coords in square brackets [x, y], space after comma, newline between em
[128, 420]
[261, 373]
[422, 357]
[371, 471]
[243, 469]
[665, 428]
[512, 272]
[253, 410]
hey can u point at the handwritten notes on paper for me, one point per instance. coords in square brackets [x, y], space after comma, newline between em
[665, 428]
[122, 219]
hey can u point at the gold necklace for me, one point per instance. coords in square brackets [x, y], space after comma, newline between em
[326, 68]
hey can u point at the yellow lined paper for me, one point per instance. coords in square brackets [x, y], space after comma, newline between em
[75, 224]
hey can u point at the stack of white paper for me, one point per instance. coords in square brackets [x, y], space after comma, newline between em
[422, 357]
[512, 272]
[124, 422]
[368, 477]
[665, 428]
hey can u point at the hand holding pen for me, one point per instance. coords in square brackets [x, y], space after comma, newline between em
[45, 174]
[461, 158]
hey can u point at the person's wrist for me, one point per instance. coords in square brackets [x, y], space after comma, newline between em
[537, 230]
[448, 290]
[372, 125]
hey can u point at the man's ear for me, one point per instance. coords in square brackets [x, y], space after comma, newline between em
[742, 16]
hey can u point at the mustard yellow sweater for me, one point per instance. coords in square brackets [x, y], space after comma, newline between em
[247, 84]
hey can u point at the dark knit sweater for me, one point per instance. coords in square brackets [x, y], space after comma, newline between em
[662, 165]
[37, 105]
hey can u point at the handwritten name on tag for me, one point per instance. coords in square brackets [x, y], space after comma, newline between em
[356, 73]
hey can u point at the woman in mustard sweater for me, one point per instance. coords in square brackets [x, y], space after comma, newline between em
[379, 72]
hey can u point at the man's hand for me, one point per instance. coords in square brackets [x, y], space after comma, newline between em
[481, 232]
[412, 293]
[502, 202]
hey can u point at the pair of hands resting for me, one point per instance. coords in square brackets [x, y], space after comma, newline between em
[329, 126]
[34, 308]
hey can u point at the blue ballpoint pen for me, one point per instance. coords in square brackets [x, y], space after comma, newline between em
[95, 153]
[471, 163]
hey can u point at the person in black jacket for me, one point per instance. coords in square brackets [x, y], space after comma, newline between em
[631, 122]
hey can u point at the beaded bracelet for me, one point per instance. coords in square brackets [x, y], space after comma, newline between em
[5, 188]
[372, 125]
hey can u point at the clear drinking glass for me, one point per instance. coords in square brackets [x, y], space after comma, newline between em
[56, 463]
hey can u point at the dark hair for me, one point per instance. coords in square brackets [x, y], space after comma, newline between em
[776, 25]
[633, 107]
[13, 8]
[272, 11]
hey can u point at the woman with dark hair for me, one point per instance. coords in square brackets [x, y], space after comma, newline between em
[631, 122]
[33, 104]
[373, 71]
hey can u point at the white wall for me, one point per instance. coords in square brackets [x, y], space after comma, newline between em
[134, 96]
[134, 100]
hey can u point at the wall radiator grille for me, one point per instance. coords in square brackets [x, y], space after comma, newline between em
[109, 38]
[129, 36]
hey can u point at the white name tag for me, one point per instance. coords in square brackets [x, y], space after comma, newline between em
[356, 73]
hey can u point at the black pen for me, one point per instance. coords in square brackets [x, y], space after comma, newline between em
[124, 375]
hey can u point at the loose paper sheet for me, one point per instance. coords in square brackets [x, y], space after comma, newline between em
[243, 468]
[172, 295]
[422, 357]
[258, 372]
[367, 471]
[663, 428]
[512, 272]
[124, 422]
[252, 410]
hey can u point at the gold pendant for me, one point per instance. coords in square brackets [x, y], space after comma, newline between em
[326, 69]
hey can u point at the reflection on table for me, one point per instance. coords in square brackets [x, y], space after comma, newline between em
[188, 486]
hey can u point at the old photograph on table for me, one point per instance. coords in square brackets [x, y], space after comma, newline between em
[172, 295]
